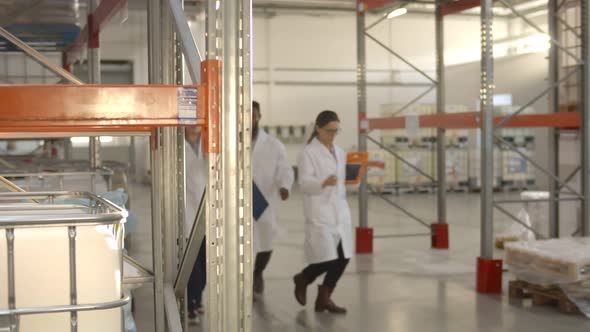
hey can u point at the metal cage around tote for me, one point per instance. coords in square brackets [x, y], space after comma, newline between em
[42, 211]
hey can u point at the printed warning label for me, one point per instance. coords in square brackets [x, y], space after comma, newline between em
[187, 103]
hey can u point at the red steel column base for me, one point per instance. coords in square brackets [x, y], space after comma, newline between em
[364, 240]
[440, 236]
[489, 276]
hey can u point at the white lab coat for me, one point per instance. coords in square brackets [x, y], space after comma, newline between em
[327, 214]
[196, 180]
[270, 171]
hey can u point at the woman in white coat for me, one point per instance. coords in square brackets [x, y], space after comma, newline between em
[328, 230]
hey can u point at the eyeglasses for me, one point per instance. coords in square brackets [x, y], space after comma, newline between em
[332, 131]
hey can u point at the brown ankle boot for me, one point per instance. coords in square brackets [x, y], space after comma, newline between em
[300, 288]
[324, 302]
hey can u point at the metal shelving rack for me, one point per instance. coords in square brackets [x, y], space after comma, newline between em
[489, 270]
[220, 104]
[439, 229]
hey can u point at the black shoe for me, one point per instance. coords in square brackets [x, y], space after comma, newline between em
[258, 284]
[192, 315]
[193, 318]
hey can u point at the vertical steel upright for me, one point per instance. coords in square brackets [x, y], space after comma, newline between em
[245, 162]
[156, 77]
[214, 229]
[94, 76]
[172, 174]
[229, 209]
[487, 110]
[171, 170]
[553, 138]
[585, 111]
[156, 158]
[364, 235]
[168, 149]
[229, 160]
[182, 233]
[440, 230]
[489, 271]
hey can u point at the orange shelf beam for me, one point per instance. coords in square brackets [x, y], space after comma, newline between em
[459, 6]
[376, 4]
[447, 9]
[69, 108]
[471, 120]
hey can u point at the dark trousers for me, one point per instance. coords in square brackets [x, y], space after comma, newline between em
[333, 269]
[197, 280]
[262, 259]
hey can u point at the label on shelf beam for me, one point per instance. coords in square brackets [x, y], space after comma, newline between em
[364, 124]
[187, 104]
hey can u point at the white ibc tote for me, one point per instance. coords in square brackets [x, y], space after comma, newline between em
[42, 262]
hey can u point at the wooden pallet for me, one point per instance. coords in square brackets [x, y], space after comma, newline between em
[501, 241]
[542, 295]
[478, 189]
[457, 188]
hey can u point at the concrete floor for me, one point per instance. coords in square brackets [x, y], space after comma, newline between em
[403, 286]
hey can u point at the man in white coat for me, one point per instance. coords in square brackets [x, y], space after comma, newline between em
[196, 180]
[273, 175]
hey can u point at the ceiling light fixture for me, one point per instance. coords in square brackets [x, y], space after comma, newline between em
[397, 12]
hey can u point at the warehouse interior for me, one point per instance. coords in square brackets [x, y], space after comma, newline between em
[467, 125]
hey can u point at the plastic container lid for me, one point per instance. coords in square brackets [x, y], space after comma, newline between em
[534, 195]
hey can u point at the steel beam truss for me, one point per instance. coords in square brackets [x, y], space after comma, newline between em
[435, 83]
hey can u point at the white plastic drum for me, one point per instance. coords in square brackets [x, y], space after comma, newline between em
[42, 276]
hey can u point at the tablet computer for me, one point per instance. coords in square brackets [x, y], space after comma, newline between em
[352, 171]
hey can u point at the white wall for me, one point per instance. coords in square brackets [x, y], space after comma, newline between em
[289, 41]
[127, 40]
[16, 68]
[523, 76]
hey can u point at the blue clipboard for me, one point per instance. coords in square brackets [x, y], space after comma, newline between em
[259, 202]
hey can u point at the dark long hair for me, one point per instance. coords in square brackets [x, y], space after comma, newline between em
[321, 121]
